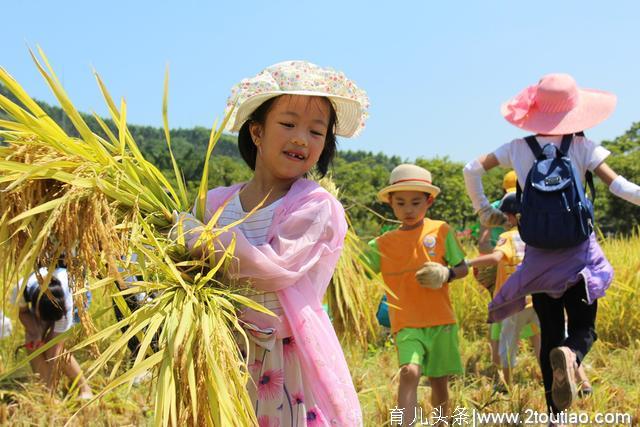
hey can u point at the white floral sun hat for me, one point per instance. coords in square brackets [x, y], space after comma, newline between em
[301, 78]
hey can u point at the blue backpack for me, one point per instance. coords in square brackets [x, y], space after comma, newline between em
[555, 212]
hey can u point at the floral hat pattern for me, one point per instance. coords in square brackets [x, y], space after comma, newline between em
[301, 78]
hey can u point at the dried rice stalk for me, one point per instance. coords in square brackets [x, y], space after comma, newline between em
[355, 290]
[97, 198]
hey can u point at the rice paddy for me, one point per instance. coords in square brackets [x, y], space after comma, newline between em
[96, 197]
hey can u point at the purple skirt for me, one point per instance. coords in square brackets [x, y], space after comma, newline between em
[553, 271]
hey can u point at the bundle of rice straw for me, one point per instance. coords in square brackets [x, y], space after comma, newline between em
[95, 198]
[355, 290]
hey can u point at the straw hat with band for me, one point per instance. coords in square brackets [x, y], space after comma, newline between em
[510, 182]
[557, 106]
[300, 78]
[408, 177]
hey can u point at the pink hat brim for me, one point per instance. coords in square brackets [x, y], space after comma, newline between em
[593, 107]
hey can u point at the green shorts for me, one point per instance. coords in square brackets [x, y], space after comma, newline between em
[529, 330]
[434, 348]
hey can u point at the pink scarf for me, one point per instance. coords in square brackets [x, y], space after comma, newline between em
[303, 245]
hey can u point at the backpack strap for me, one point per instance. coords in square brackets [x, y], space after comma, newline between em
[588, 178]
[532, 142]
[565, 144]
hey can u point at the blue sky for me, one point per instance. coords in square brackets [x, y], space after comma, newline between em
[436, 72]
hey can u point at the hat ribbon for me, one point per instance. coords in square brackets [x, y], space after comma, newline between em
[521, 104]
[410, 179]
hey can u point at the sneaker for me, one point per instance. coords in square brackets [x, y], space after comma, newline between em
[563, 390]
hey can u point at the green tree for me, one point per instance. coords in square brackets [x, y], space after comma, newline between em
[614, 215]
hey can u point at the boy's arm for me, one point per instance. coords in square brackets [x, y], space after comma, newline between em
[29, 321]
[459, 271]
[455, 257]
[434, 275]
[486, 260]
[484, 242]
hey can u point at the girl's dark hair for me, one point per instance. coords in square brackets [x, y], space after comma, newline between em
[248, 149]
[50, 310]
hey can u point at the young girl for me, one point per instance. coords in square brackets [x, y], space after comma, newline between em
[571, 278]
[44, 316]
[288, 117]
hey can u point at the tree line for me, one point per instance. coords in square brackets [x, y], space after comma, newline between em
[360, 174]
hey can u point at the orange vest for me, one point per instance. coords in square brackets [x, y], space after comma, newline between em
[402, 253]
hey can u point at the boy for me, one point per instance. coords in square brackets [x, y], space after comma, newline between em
[414, 262]
[507, 255]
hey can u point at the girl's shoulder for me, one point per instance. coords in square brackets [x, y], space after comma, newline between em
[224, 191]
[217, 196]
[305, 191]
[519, 145]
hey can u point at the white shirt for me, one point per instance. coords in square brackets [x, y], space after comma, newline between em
[5, 326]
[255, 228]
[584, 153]
[66, 321]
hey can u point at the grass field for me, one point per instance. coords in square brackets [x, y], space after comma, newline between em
[612, 365]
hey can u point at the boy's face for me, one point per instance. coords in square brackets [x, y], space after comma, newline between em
[410, 207]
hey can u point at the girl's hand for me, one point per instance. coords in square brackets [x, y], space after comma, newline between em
[491, 217]
[187, 221]
[432, 275]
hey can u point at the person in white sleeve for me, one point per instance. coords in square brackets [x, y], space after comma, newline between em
[561, 275]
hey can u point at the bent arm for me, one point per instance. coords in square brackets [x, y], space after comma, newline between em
[486, 260]
[311, 235]
[484, 242]
[605, 173]
[473, 172]
[460, 270]
[30, 323]
[618, 185]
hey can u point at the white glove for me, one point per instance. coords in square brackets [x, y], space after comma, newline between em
[432, 275]
[491, 217]
[185, 221]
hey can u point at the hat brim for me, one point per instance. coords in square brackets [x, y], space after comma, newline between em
[593, 107]
[383, 195]
[348, 111]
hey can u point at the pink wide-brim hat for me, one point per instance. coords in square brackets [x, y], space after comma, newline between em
[557, 106]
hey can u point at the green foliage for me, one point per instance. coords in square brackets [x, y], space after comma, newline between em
[361, 174]
[359, 182]
[613, 214]
[453, 205]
